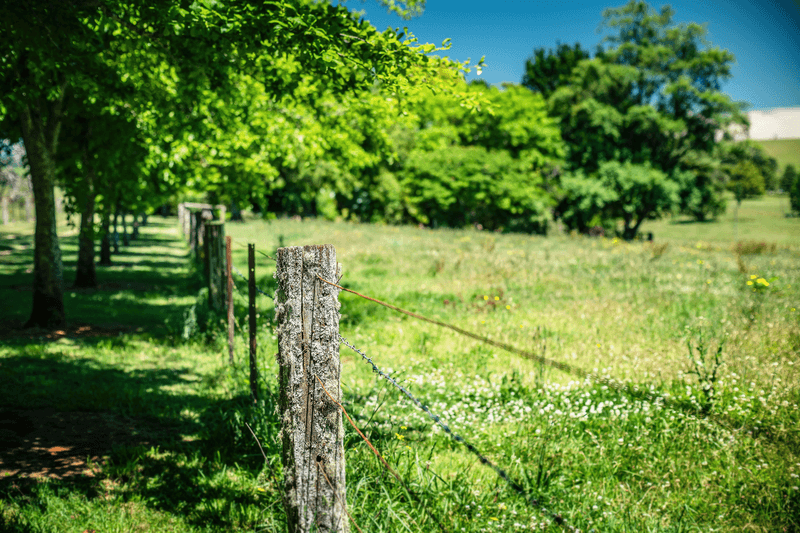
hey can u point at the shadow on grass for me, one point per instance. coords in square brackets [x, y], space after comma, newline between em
[62, 417]
[144, 287]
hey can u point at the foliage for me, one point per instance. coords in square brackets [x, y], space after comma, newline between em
[468, 185]
[732, 153]
[163, 68]
[617, 191]
[794, 195]
[745, 181]
[638, 454]
[788, 178]
[652, 97]
[583, 201]
[547, 70]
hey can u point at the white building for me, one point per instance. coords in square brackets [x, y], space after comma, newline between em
[769, 124]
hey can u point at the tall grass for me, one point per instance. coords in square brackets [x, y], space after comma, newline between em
[663, 454]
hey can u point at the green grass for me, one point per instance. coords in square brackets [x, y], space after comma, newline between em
[760, 219]
[660, 459]
[786, 151]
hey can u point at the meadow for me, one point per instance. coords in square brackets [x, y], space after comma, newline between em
[699, 340]
[786, 151]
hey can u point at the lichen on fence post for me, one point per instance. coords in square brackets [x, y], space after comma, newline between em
[307, 311]
[214, 264]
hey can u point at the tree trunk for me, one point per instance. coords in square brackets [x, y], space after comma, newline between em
[105, 240]
[4, 204]
[85, 273]
[41, 139]
[126, 239]
[144, 219]
[116, 233]
[135, 227]
[236, 213]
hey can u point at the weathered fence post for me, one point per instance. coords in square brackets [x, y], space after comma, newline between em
[198, 222]
[187, 222]
[214, 263]
[307, 311]
[181, 216]
[251, 309]
[222, 211]
[229, 280]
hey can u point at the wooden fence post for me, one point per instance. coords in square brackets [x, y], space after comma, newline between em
[197, 234]
[214, 263]
[229, 279]
[181, 216]
[251, 269]
[307, 311]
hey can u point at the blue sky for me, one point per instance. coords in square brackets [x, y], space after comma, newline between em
[763, 35]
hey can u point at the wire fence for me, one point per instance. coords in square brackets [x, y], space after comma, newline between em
[517, 487]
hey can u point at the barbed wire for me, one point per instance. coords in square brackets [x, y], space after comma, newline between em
[236, 270]
[612, 383]
[380, 457]
[557, 518]
[565, 367]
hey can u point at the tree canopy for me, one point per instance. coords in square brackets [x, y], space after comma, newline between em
[163, 65]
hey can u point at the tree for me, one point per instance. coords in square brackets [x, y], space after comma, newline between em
[460, 186]
[733, 152]
[794, 196]
[93, 48]
[652, 97]
[745, 181]
[547, 70]
[788, 178]
[617, 192]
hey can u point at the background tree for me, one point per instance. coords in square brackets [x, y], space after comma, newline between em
[547, 70]
[197, 49]
[788, 178]
[618, 192]
[652, 97]
[794, 196]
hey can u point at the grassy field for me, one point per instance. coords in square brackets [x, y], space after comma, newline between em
[674, 449]
[786, 151]
[761, 219]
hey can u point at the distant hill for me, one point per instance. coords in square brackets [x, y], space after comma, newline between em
[786, 151]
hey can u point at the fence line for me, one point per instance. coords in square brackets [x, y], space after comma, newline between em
[377, 454]
[555, 517]
[565, 367]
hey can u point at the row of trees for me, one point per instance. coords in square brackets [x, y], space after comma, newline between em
[646, 124]
[132, 102]
[637, 131]
[300, 107]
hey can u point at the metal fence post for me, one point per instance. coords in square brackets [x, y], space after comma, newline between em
[251, 270]
[229, 280]
[307, 311]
